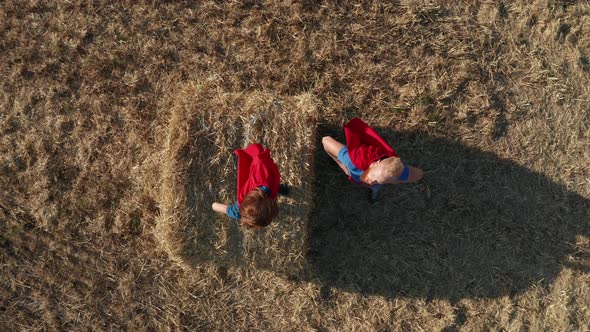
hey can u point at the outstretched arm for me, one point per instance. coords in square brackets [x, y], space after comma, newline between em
[415, 174]
[232, 211]
[219, 208]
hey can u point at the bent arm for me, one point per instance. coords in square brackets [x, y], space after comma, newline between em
[332, 147]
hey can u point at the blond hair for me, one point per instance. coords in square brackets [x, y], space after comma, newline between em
[392, 167]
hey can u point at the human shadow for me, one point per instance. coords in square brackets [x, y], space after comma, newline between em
[476, 225]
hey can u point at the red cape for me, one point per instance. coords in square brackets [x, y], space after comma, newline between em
[364, 144]
[256, 168]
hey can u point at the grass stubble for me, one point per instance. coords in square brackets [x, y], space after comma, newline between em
[109, 112]
[198, 168]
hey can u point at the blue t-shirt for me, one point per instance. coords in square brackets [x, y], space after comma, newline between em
[233, 211]
[355, 172]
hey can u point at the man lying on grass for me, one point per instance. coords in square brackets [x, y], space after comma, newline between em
[368, 160]
[258, 187]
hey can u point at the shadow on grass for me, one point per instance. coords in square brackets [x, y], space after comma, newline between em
[475, 226]
[203, 185]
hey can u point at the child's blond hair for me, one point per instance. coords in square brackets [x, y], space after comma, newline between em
[392, 167]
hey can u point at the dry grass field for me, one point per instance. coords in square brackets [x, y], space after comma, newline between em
[118, 120]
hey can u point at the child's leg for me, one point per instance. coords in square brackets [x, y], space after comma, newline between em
[332, 147]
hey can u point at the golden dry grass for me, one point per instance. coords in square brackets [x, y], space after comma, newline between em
[198, 168]
[104, 104]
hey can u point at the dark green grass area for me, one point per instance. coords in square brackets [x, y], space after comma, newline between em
[475, 226]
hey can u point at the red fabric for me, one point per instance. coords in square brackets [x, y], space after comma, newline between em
[364, 144]
[256, 168]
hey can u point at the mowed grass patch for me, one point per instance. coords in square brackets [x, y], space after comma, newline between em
[199, 168]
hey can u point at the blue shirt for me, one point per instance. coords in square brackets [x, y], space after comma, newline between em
[233, 211]
[354, 172]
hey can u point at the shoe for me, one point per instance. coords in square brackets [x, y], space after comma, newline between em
[284, 189]
[375, 195]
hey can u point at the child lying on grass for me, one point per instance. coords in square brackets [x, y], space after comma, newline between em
[258, 187]
[368, 160]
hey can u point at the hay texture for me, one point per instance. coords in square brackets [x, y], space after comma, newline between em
[199, 168]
